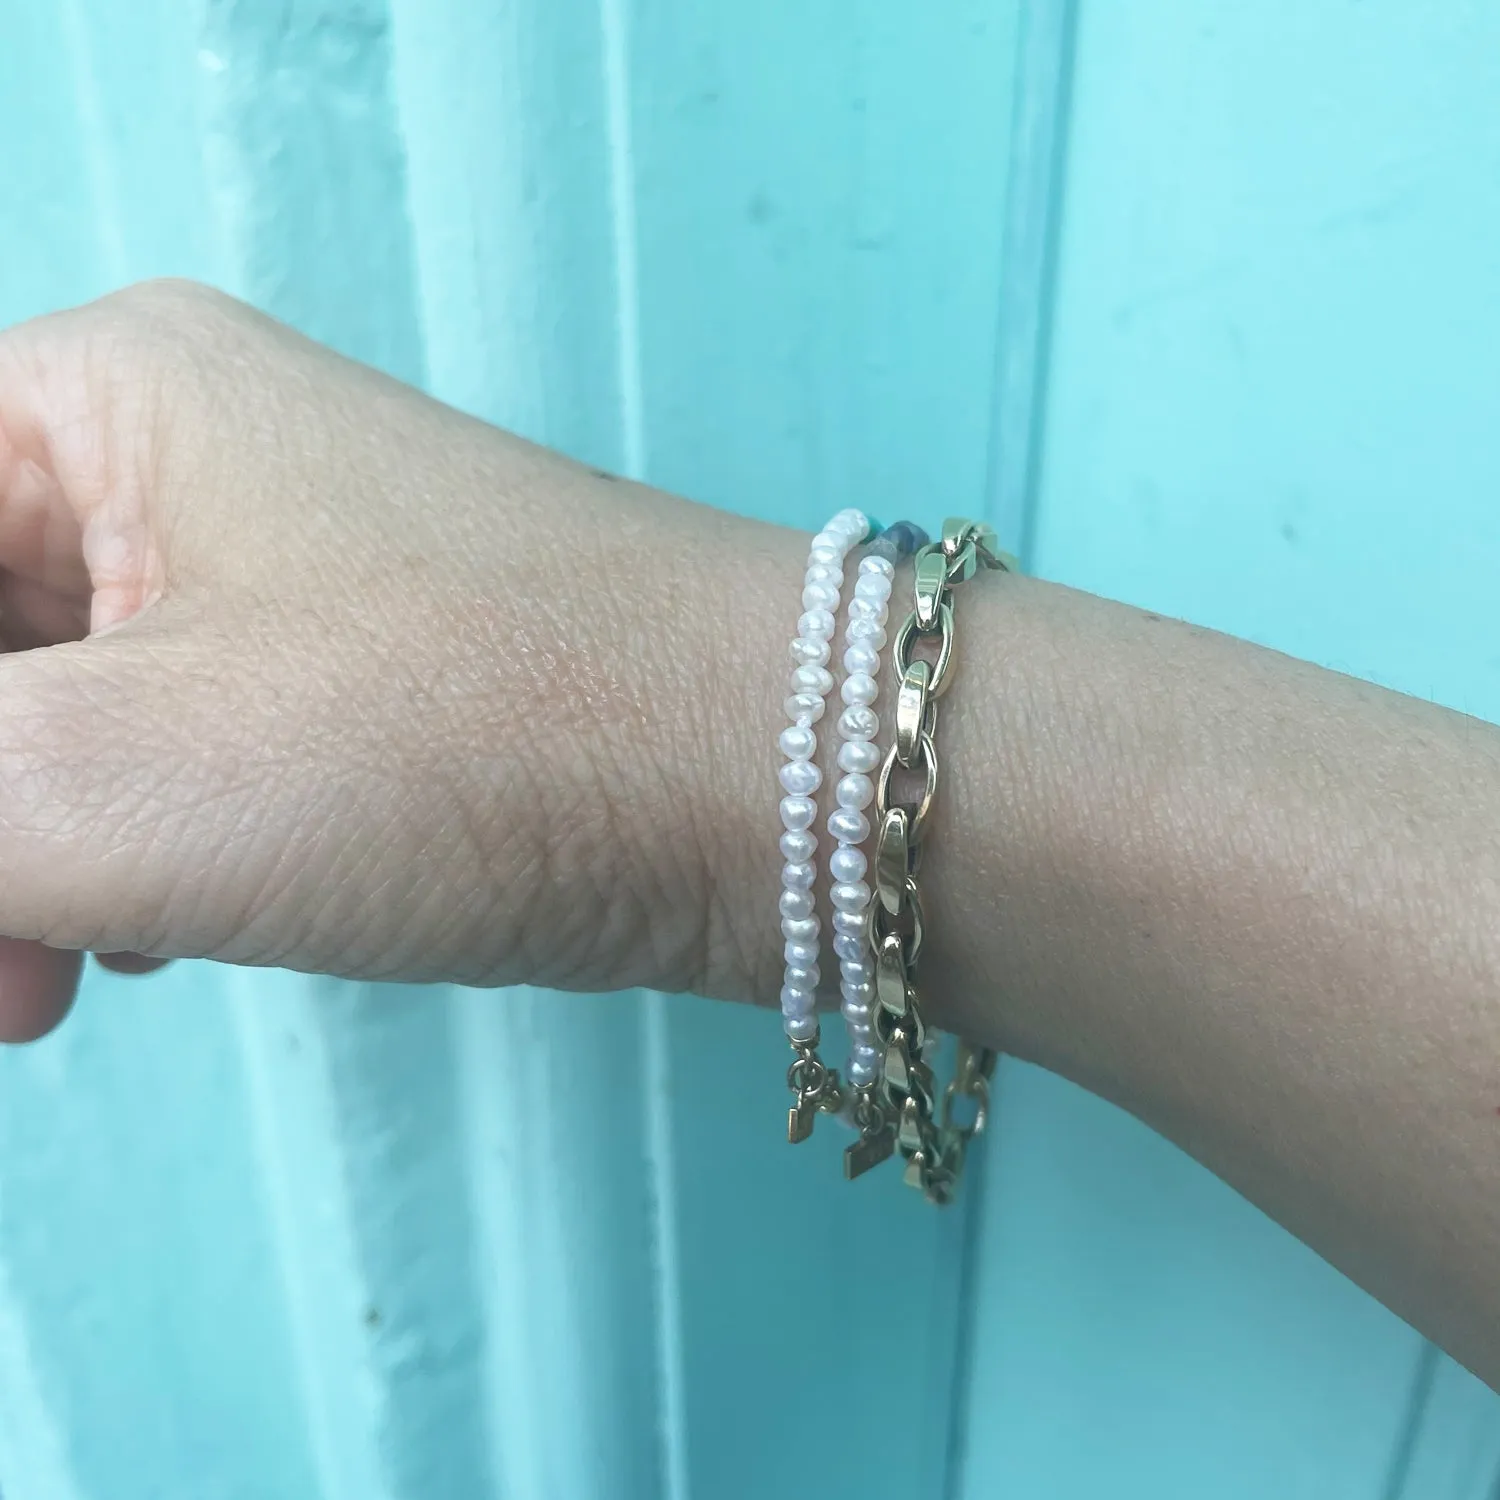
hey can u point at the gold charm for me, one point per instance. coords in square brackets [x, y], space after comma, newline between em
[876, 1140]
[815, 1086]
[867, 1152]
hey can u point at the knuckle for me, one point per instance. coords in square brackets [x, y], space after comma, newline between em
[167, 302]
[167, 334]
[121, 337]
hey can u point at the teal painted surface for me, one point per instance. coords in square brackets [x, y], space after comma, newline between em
[1270, 408]
[269, 1236]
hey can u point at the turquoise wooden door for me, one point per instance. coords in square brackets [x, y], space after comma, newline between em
[1193, 300]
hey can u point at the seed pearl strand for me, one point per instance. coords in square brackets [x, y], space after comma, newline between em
[811, 683]
[847, 824]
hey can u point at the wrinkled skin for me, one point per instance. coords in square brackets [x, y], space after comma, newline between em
[336, 678]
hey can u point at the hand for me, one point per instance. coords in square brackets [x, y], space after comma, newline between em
[367, 687]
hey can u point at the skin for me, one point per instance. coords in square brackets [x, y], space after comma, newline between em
[306, 669]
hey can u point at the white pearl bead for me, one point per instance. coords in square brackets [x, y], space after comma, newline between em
[852, 895]
[797, 742]
[859, 723]
[858, 755]
[854, 792]
[796, 1002]
[800, 777]
[804, 708]
[812, 679]
[798, 813]
[856, 971]
[810, 683]
[848, 827]
[797, 904]
[816, 624]
[804, 650]
[799, 846]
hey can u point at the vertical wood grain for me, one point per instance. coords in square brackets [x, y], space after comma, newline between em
[263, 1235]
[1042, 101]
[818, 211]
[503, 117]
[1454, 1453]
[45, 221]
[1141, 1324]
[303, 1174]
[145, 1338]
[514, 180]
[306, 171]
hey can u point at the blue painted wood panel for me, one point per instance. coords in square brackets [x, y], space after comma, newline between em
[1270, 408]
[266, 1235]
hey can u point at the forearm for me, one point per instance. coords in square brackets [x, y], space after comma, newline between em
[1256, 903]
[391, 695]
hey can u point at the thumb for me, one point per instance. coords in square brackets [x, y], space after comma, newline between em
[79, 409]
[105, 787]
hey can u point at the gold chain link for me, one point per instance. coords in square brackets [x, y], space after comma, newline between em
[931, 1134]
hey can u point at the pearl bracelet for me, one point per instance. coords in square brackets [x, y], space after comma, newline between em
[811, 682]
[864, 638]
[892, 1098]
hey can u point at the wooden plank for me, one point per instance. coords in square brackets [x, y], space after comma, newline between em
[134, 1243]
[308, 1177]
[47, 212]
[137, 74]
[1454, 1453]
[1140, 1324]
[143, 1332]
[559, 1179]
[506, 132]
[818, 214]
[1042, 90]
[1276, 232]
[305, 171]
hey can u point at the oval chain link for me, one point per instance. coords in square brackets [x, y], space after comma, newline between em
[932, 1134]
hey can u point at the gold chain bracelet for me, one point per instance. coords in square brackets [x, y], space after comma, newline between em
[930, 1134]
